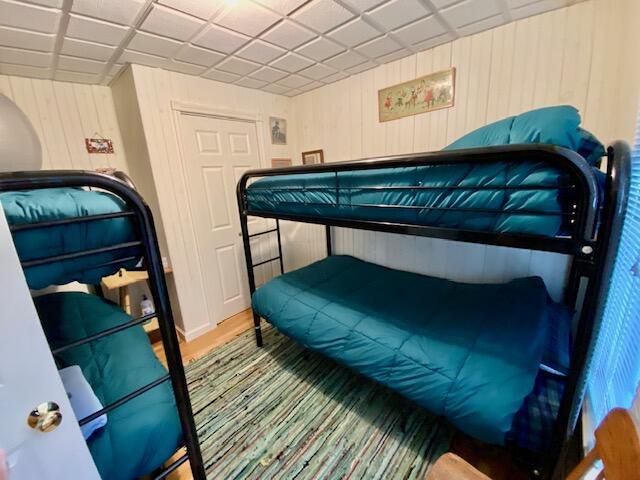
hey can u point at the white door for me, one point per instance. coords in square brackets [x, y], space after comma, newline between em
[28, 377]
[216, 154]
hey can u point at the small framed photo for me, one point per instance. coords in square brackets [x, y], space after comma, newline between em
[280, 162]
[98, 145]
[312, 157]
[278, 127]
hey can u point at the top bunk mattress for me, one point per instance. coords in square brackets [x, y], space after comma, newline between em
[53, 204]
[520, 197]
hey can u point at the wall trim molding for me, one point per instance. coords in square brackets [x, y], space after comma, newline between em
[191, 108]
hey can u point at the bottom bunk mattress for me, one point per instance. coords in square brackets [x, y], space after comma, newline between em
[141, 434]
[470, 352]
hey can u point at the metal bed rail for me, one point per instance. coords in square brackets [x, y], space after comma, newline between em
[147, 244]
[591, 251]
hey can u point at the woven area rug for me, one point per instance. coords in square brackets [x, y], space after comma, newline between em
[283, 412]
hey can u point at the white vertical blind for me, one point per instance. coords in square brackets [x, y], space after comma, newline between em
[615, 374]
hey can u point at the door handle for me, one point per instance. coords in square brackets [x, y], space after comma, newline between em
[45, 417]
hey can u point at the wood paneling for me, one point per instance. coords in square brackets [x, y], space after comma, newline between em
[573, 55]
[64, 114]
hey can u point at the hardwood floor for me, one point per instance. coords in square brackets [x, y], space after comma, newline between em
[493, 461]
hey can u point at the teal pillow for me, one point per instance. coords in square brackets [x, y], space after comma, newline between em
[552, 125]
[496, 133]
[590, 147]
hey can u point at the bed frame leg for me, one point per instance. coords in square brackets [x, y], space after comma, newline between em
[258, 329]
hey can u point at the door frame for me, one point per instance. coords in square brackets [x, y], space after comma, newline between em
[180, 108]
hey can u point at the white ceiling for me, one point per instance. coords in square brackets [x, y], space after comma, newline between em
[280, 46]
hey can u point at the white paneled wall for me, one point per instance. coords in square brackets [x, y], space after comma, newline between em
[64, 114]
[577, 55]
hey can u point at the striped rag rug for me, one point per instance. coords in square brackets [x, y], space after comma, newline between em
[284, 412]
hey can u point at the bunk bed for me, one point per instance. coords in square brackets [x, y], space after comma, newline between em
[80, 226]
[503, 362]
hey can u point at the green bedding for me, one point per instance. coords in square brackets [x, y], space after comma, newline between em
[51, 204]
[470, 352]
[141, 434]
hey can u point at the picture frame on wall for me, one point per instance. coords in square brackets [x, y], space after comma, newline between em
[278, 129]
[424, 94]
[313, 157]
[280, 162]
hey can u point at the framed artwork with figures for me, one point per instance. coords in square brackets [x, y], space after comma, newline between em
[278, 128]
[312, 157]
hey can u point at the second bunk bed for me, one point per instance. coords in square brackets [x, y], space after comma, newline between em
[502, 362]
[71, 226]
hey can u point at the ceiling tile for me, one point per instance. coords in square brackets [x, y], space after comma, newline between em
[283, 7]
[154, 44]
[220, 39]
[536, 8]
[237, 65]
[14, 37]
[268, 74]
[293, 92]
[378, 47]
[354, 33]
[198, 8]
[361, 68]
[294, 81]
[122, 12]
[171, 23]
[390, 57]
[30, 17]
[95, 30]
[470, 11]
[346, 60]
[250, 83]
[318, 71]
[81, 48]
[199, 56]
[435, 41]
[482, 25]
[46, 3]
[322, 15]
[398, 12]
[76, 77]
[115, 69]
[221, 76]
[320, 49]
[311, 86]
[248, 18]
[24, 71]
[260, 51]
[274, 88]
[420, 31]
[364, 5]
[129, 56]
[292, 62]
[288, 35]
[75, 64]
[444, 3]
[335, 77]
[187, 68]
[25, 57]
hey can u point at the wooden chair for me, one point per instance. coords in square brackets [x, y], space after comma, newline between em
[617, 445]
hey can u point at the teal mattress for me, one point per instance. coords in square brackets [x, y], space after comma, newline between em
[469, 352]
[24, 207]
[141, 434]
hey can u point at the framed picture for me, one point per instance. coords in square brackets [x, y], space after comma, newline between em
[98, 145]
[312, 157]
[280, 162]
[278, 127]
[424, 94]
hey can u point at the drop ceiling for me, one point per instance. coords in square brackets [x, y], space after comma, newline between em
[280, 46]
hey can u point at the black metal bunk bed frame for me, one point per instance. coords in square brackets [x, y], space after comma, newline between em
[592, 241]
[139, 212]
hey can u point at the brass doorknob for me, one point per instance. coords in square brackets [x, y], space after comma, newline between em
[45, 417]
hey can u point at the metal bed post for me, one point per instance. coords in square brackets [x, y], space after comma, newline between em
[327, 233]
[246, 241]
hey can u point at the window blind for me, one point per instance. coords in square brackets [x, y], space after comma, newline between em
[615, 372]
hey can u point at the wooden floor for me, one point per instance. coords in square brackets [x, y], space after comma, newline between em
[493, 461]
